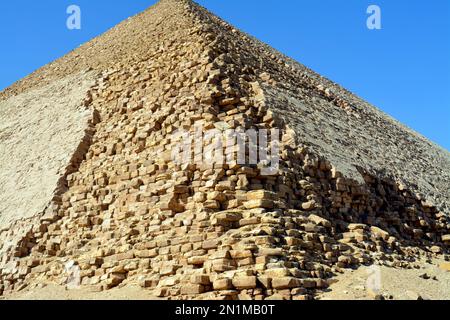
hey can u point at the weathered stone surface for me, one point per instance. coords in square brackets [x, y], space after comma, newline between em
[308, 206]
[259, 203]
[200, 279]
[379, 233]
[192, 289]
[44, 134]
[285, 283]
[319, 220]
[222, 284]
[244, 282]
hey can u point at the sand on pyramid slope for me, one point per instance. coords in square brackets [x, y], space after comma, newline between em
[42, 136]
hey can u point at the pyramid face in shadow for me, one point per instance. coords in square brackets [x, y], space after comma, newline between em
[177, 152]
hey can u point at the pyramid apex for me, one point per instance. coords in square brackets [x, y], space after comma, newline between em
[175, 1]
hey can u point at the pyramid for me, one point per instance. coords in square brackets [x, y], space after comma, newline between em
[96, 190]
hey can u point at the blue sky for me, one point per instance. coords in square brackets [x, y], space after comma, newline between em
[404, 69]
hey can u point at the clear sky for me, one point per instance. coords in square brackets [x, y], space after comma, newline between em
[404, 68]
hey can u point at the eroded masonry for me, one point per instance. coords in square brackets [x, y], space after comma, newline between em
[353, 187]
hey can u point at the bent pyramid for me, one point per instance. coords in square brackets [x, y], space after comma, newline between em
[92, 195]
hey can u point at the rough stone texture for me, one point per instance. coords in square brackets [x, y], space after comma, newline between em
[44, 134]
[359, 137]
[132, 215]
[39, 132]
